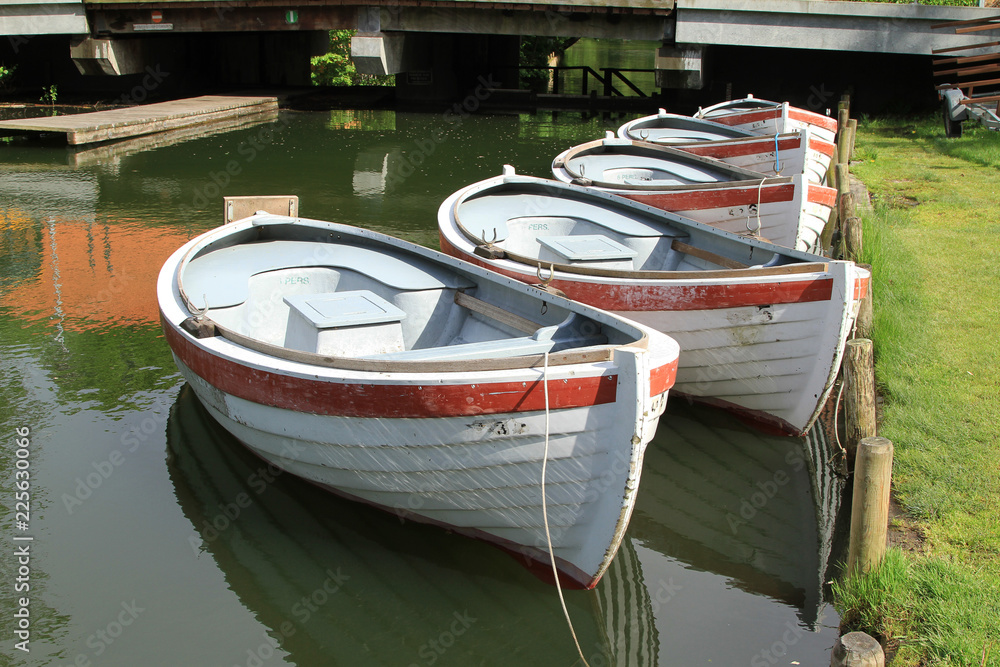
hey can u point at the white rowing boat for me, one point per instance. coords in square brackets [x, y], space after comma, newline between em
[762, 328]
[785, 154]
[788, 210]
[767, 117]
[395, 375]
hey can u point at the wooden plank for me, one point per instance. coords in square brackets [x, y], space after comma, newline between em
[969, 71]
[951, 49]
[588, 355]
[977, 28]
[962, 60]
[968, 84]
[980, 100]
[966, 22]
[114, 124]
[237, 208]
[522, 324]
[706, 255]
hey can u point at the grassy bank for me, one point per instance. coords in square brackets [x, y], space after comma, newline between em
[934, 242]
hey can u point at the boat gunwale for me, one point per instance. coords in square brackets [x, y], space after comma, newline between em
[659, 151]
[590, 355]
[808, 263]
[626, 128]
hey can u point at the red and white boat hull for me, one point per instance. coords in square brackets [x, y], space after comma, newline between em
[791, 212]
[457, 448]
[793, 153]
[776, 120]
[765, 346]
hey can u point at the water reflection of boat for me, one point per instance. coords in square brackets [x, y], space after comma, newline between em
[405, 593]
[755, 508]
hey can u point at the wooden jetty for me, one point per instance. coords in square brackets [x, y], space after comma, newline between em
[115, 124]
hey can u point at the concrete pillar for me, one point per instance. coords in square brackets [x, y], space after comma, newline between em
[380, 53]
[113, 57]
[680, 66]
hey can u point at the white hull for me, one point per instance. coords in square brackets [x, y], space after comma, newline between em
[764, 343]
[454, 444]
[774, 119]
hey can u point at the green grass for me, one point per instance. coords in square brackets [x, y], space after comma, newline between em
[934, 243]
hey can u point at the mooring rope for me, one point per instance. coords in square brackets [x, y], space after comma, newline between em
[760, 188]
[777, 157]
[545, 510]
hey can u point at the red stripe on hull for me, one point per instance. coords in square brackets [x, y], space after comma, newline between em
[812, 118]
[721, 150]
[696, 297]
[741, 118]
[384, 400]
[820, 146]
[662, 379]
[821, 194]
[715, 197]
[631, 297]
[860, 288]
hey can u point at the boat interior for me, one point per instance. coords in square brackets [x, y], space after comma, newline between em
[633, 169]
[353, 298]
[667, 128]
[566, 228]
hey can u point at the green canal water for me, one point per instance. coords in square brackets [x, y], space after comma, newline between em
[156, 539]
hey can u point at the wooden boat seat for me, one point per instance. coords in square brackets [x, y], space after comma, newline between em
[221, 277]
[350, 323]
[571, 333]
[588, 248]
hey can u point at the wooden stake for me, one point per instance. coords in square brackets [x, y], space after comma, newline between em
[852, 131]
[857, 649]
[870, 512]
[851, 229]
[831, 173]
[845, 203]
[859, 392]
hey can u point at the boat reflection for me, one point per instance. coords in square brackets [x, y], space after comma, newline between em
[716, 497]
[757, 509]
[379, 590]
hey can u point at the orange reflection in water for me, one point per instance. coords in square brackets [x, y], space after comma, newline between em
[92, 274]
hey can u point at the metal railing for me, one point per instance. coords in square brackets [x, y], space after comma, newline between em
[605, 82]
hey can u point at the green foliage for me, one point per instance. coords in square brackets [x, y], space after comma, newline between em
[535, 52]
[335, 68]
[933, 241]
[874, 602]
[49, 95]
[6, 74]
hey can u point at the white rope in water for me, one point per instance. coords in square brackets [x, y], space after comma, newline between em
[545, 511]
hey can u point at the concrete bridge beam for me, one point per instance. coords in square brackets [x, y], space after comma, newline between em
[831, 25]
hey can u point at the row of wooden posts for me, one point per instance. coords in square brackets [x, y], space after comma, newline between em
[872, 455]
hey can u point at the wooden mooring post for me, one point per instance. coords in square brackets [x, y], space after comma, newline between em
[870, 511]
[857, 649]
[859, 393]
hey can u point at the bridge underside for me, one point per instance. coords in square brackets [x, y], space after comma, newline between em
[442, 47]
